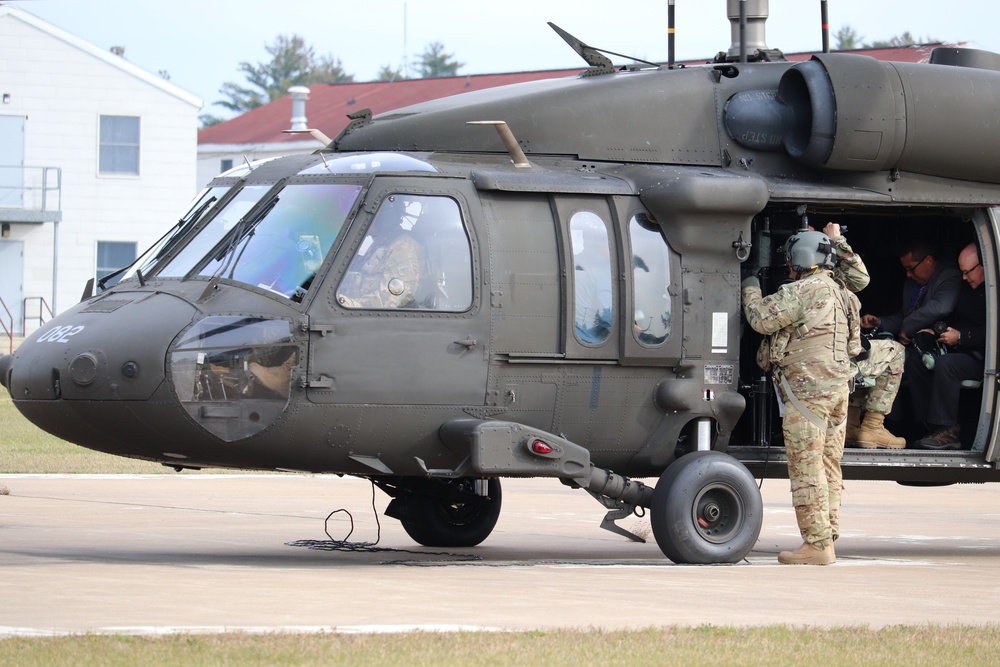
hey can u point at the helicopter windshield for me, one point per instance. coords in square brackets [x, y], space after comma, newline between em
[201, 206]
[277, 244]
[213, 232]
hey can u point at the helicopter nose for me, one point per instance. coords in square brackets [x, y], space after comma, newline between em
[5, 368]
[105, 350]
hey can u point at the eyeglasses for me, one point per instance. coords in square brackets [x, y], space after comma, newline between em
[965, 274]
[911, 269]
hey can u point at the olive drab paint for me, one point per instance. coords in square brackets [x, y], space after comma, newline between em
[271, 329]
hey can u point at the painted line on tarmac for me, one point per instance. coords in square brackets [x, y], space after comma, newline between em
[157, 630]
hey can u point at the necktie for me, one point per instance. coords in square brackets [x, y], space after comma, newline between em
[916, 299]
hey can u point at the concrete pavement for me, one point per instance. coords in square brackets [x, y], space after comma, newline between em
[197, 553]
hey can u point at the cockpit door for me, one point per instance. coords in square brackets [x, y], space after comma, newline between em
[400, 320]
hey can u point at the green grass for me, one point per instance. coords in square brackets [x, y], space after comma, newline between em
[25, 448]
[700, 646]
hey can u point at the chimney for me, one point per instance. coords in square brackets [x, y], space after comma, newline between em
[299, 96]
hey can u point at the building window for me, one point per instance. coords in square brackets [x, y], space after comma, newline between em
[119, 150]
[113, 255]
[225, 165]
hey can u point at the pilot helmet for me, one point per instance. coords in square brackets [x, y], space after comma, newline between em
[807, 250]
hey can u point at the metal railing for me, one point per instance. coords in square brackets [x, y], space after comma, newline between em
[8, 326]
[43, 307]
[30, 189]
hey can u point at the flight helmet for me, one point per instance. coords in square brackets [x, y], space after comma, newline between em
[807, 250]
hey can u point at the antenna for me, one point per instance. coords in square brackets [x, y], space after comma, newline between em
[517, 155]
[313, 132]
[824, 19]
[406, 62]
[670, 33]
[743, 31]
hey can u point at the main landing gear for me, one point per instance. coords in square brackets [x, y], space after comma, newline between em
[445, 513]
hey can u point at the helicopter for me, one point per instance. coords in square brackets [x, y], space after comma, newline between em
[537, 280]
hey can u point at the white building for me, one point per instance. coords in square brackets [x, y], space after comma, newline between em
[97, 160]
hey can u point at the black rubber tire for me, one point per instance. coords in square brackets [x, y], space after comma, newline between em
[433, 522]
[706, 508]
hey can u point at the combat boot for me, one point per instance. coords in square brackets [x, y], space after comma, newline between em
[807, 554]
[853, 425]
[874, 435]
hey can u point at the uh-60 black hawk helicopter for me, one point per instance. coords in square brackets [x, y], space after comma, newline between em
[432, 307]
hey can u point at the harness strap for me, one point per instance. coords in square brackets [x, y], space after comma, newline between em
[800, 406]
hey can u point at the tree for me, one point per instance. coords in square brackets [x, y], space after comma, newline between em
[208, 120]
[434, 62]
[847, 39]
[292, 63]
[387, 73]
[906, 39]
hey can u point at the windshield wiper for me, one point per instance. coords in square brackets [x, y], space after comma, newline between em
[244, 229]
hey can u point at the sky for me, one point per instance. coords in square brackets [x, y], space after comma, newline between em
[201, 43]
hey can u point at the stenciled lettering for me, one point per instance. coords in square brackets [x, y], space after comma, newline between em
[60, 334]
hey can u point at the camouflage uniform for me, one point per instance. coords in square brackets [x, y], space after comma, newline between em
[849, 270]
[881, 372]
[813, 323]
[386, 277]
[879, 375]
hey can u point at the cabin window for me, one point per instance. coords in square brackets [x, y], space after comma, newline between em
[119, 145]
[415, 255]
[650, 278]
[592, 286]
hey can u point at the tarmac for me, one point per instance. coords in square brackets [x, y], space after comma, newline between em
[197, 553]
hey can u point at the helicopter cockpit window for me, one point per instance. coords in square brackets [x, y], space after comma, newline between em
[416, 255]
[280, 245]
[202, 205]
[650, 277]
[276, 245]
[233, 374]
[592, 286]
[212, 233]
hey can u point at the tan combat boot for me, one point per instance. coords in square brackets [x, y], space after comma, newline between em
[853, 425]
[873, 434]
[807, 554]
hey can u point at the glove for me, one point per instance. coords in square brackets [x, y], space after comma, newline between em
[750, 282]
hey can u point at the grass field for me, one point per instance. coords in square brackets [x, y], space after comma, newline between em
[701, 647]
[25, 448]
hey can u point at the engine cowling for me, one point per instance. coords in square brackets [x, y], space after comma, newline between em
[854, 113]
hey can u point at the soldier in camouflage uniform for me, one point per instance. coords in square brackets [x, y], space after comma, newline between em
[386, 273]
[876, 384]
[813, 322]
[878, 373]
